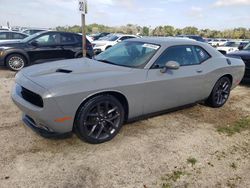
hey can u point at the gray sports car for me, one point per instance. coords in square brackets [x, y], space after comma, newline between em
[134, 78]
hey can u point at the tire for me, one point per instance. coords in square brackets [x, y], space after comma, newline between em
[16, 62]
[220, 93]
[99, 119]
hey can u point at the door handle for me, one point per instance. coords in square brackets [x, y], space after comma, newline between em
[199, 71]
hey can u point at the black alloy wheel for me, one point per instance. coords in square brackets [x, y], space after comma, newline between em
[99, 119]
[220, 93]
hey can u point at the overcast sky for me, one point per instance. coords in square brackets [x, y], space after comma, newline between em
[214, 14]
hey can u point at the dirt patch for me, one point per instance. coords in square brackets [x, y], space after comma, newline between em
[179, 149]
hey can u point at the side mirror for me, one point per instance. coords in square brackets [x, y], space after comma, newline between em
[119, 40]
[34, 43]
[173, 65]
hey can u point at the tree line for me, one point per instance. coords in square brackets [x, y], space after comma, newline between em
[236, 33]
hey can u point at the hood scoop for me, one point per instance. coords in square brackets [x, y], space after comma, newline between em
[64, 71]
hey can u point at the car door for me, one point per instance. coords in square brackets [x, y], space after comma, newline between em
[174, 88]
[45, 48]
[69, 45]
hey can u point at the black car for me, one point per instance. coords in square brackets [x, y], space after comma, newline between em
[99, 35]
[194, 37]
[10, 35]
[245, 56]
[41, 47]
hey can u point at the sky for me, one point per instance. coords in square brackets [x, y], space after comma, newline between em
[212, 14]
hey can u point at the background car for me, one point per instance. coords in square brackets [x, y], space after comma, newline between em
[32, 31]
[232, 46]
[218, 42]
[41, 47]
[194, 37]
[134, 78]
[245, 56]
[98, 35]
[109, 41]
[6, 36]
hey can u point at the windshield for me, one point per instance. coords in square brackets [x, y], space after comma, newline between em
[128, 54]
[232, 44]
[247, 47]
[27, 39]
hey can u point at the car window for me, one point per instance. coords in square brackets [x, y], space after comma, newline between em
[202, 54]
[129, 54]
[48, 39]
[17, 36]
[3, 36]
[67, 38]
[184, 55]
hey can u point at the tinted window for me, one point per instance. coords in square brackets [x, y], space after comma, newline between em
[18, 36]
[202, 54]
[3, 36]
[67, 38]
[184, 55]
[48, 39]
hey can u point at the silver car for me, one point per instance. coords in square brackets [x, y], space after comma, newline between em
[134, 78]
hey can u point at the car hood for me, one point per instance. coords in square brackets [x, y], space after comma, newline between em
[66, 73]
[102, 42]
[245, 54]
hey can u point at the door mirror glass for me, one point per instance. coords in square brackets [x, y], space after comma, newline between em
[172, 65]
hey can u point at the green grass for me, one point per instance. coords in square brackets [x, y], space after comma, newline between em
[237, 127]
[174, 176]
[192, 161]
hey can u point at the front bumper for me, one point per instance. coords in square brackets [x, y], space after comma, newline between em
[43, 117]
[43, 131]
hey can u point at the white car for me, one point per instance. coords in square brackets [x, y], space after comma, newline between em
[232, 46]
[11, 36]
[218, 42]
[110, 40]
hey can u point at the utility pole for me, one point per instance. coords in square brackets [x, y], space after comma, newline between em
[84, 45]
[83, 11]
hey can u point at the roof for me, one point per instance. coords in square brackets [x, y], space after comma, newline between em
[166, 41]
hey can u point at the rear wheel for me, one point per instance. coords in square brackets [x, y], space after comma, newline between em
[99, 119]
[15, 62]
[220, 93]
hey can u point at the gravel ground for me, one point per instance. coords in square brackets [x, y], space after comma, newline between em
[179, 149]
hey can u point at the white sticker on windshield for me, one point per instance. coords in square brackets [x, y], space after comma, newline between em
[152, 46]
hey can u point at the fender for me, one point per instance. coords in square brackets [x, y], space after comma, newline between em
[18, 51]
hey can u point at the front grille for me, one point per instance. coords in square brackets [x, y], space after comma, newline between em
[31, 97]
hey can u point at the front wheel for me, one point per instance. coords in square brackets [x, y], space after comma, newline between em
[15, 62]
[220, 93]
[99, 119]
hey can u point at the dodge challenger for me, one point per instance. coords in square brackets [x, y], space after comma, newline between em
[135, 78]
